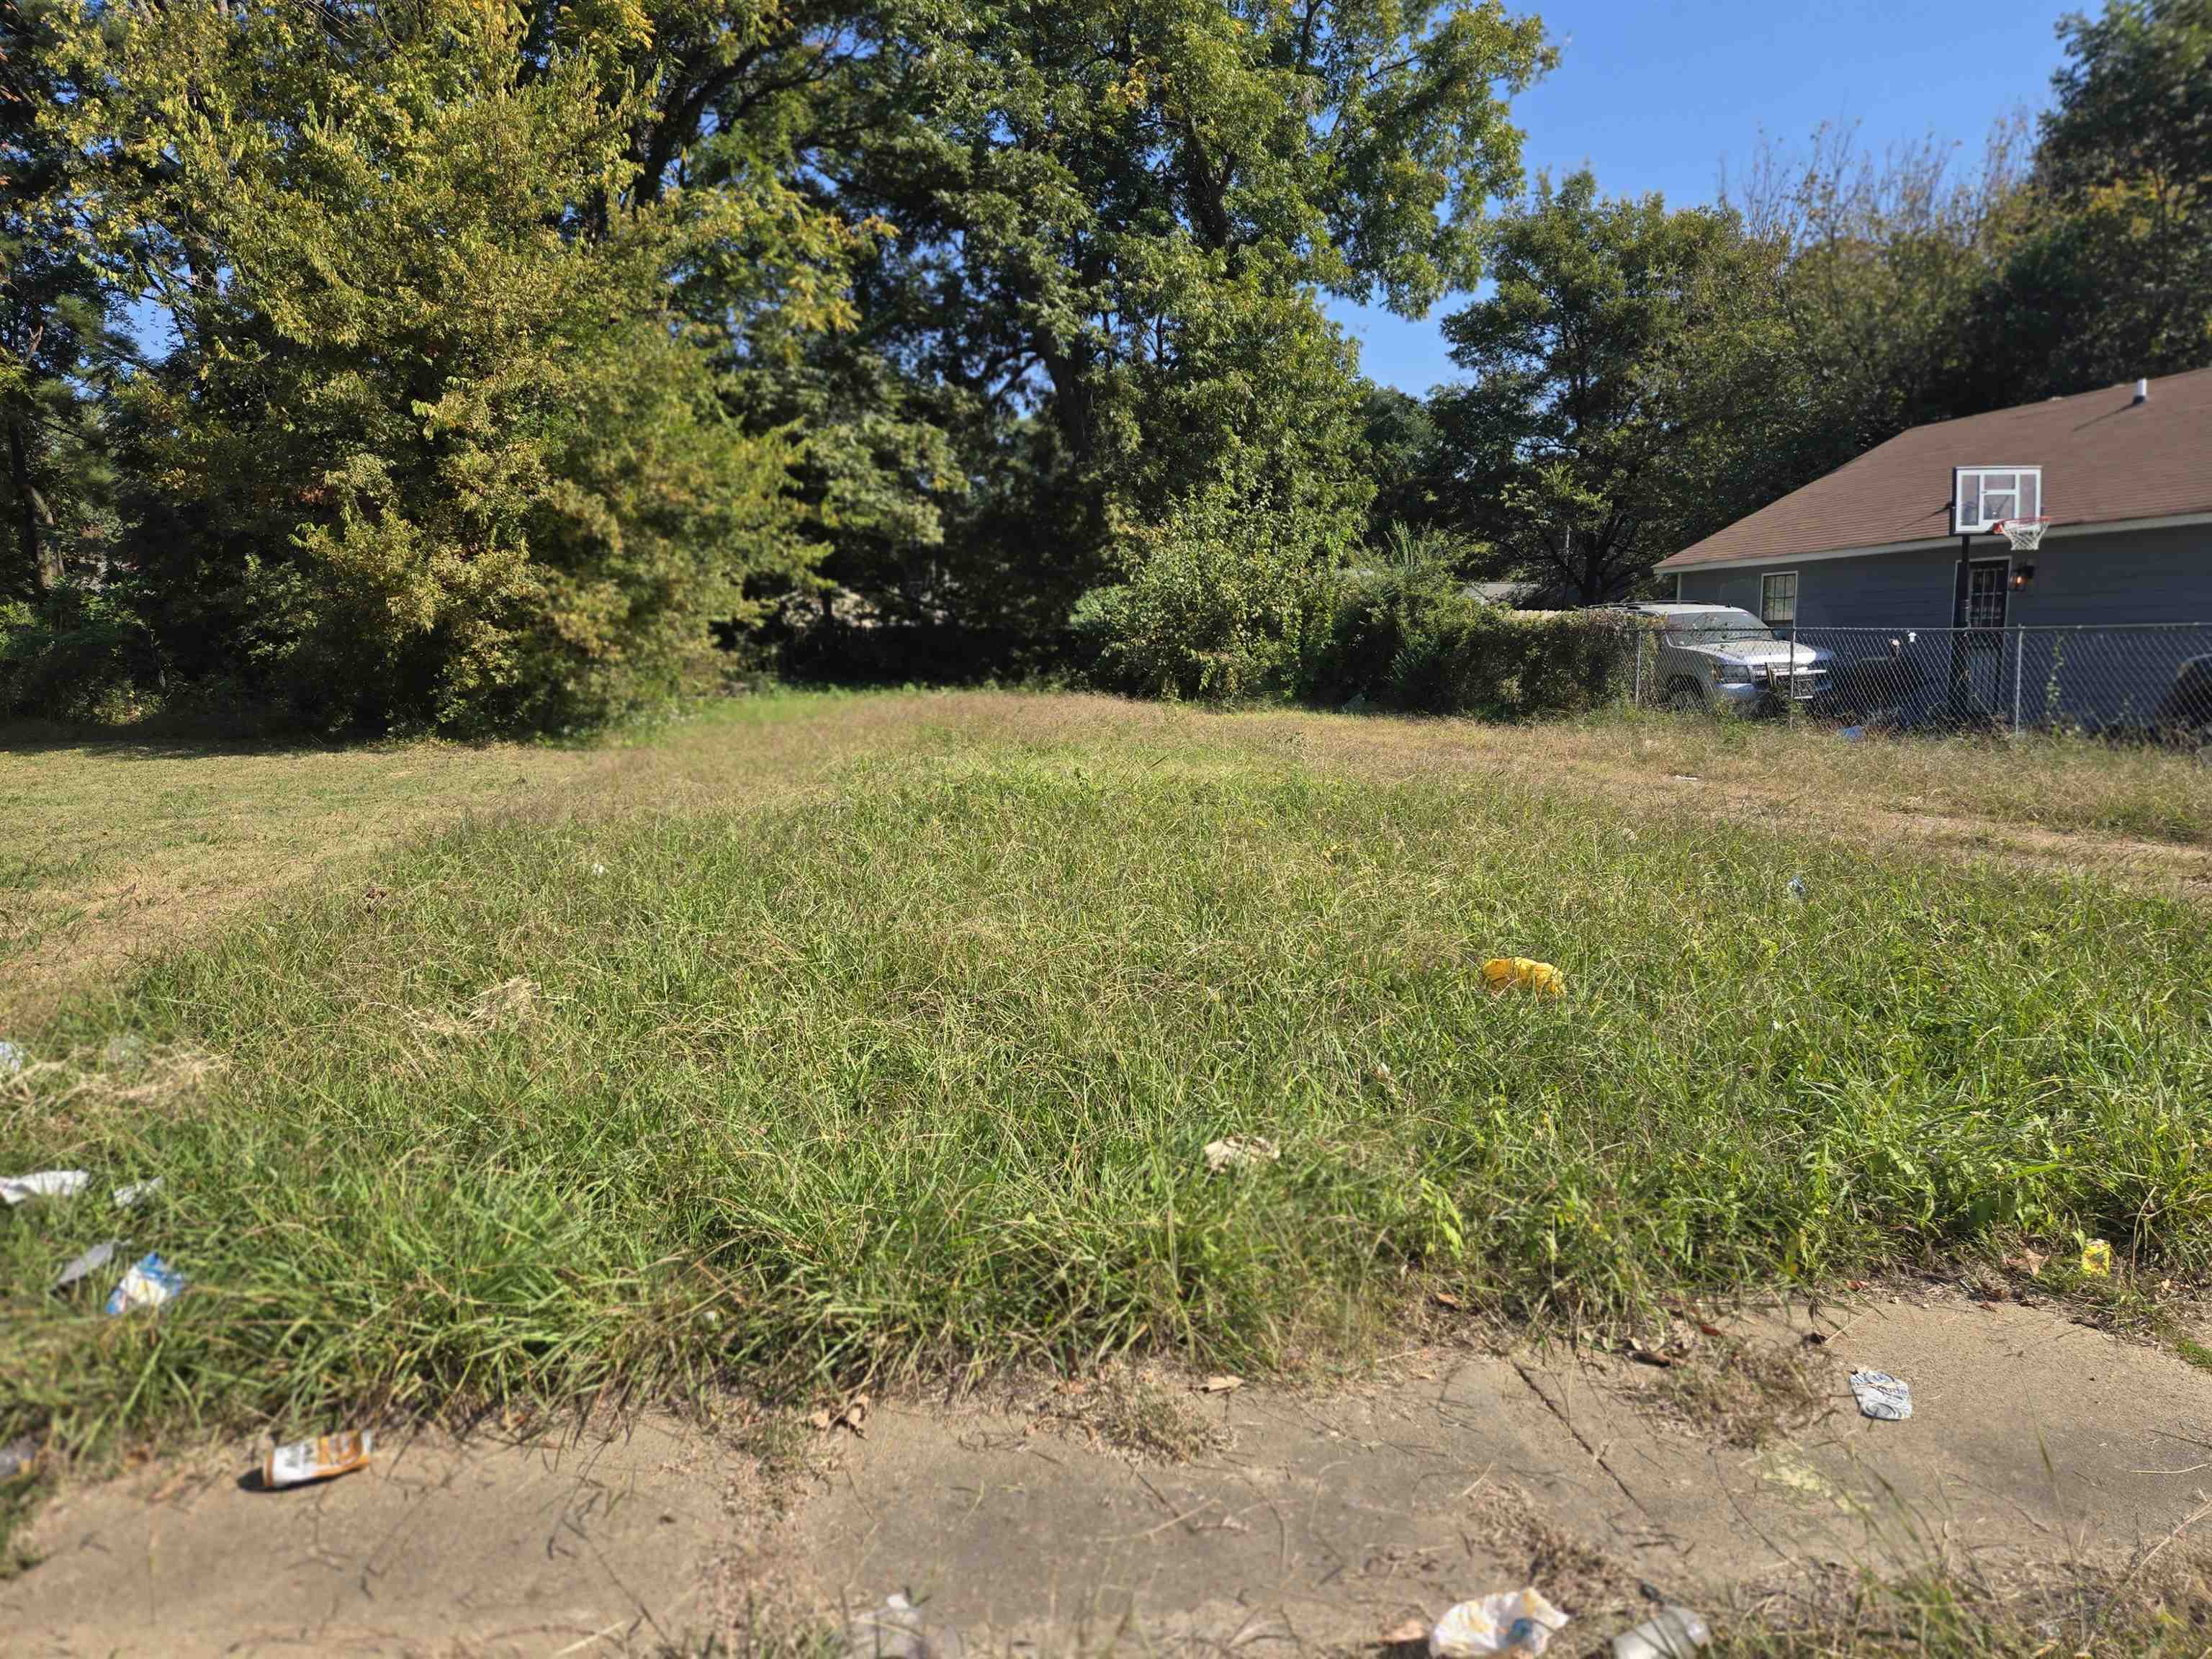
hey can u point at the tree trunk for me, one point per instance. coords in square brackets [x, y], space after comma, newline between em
[1073, 399]
[30, 507]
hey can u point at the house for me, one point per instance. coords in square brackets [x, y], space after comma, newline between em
[1904, 538]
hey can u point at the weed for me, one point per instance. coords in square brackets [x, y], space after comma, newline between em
[2154, 1610]
[1137, 1412]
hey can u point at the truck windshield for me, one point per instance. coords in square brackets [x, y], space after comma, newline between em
[1722, 623]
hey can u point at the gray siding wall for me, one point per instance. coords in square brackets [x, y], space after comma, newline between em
[2133, 576]
[1883, 590]
[2137, 576]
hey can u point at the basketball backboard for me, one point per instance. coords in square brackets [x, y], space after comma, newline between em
[1983, 497]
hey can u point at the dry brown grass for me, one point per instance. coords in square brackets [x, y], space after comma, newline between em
[110, 850]
[1137, 1412]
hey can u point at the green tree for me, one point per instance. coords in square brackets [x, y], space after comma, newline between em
[1888, 262]
[2112, 278]
[436, 446]
[1113, 226]
[57, 344]
[1403, 451]
[1627, 372]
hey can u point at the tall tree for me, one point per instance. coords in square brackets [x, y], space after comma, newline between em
[2112, 276]
[1887, 261]
[435, 446]
[1628, 372]
[1094, 204]
[56, 341]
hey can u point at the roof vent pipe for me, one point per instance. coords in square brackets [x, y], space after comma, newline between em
[2143, 392]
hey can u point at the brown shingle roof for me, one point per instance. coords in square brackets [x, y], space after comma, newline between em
[2103, 457]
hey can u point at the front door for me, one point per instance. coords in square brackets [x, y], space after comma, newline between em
[1989, 583]
[1989, 588]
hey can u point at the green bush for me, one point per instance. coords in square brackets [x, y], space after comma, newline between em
[1219, 599]
[76, 654]
[1411, 637]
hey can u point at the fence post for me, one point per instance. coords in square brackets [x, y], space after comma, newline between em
[1637, 694]
[1790, 687]
[2019, 656]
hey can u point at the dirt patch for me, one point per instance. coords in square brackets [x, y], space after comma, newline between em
[570, 1544]
[1307, 1521]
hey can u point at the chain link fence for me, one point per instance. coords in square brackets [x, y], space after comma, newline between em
[2150, 681]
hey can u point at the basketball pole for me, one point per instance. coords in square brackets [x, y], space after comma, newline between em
[1957, 695]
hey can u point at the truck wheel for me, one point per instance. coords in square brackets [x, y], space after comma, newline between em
[1684, 693]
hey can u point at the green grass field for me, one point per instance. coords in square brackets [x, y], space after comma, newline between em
[914, 1066]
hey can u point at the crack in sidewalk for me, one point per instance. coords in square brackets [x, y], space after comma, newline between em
[1567, 1423]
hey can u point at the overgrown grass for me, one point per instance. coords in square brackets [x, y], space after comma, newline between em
[2060, 783]
[919, 1070]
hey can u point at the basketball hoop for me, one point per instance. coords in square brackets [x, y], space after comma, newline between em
[2025, 535]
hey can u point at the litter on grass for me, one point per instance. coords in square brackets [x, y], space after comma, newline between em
[1852, 733]
[1524, 974]
[45, 1183]
[1512, 1621]
[11, 1059]
[1221, 1385]
[83, 1267]
[1240, 1152]
[149, 1282]
[325, 1458]
[1671, 1633]
[1797, 889]
[896, 1631]
[1884, 1398]
[128, 1198]
[17, 1456]
[2097, 1257]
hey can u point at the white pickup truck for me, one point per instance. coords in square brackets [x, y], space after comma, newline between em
[1715, 656]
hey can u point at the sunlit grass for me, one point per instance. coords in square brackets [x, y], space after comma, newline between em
[917, 1070]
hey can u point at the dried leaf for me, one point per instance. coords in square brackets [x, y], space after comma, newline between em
[1220, 1384]
[1240, 1152]
[1406, 1633]
[1446, 1299]
[823, 1421]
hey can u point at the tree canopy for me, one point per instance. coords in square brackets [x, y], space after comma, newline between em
[367, 368]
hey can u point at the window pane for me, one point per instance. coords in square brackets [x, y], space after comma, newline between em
[1777, 598]
[1985, 595]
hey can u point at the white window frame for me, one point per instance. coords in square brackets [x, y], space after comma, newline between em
[1978, 522]
[1796, 593]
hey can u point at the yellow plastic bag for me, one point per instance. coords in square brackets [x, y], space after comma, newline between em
[1522, 973]
[2096, 1257]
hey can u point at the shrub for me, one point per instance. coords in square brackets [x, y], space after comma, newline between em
[1220, 597]
[78, 654]
[1410, 637]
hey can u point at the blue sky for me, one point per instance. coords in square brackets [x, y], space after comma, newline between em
[1656, 94]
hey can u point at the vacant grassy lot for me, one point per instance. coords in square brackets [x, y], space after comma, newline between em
[837, 1034]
